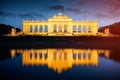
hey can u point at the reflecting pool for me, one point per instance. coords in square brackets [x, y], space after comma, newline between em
[60, 64]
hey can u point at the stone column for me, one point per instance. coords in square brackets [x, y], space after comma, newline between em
[43, 58]
[38, 57]
[76, 28]
[91, 28]
[76, 56]
[63, 28]
[57, 28]
[81, 56]
[70, 28]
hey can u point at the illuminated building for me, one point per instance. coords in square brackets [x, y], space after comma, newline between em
[60, 59]
[60, 25]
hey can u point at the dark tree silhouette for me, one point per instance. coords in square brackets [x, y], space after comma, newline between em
[114, 28]
[6, 29]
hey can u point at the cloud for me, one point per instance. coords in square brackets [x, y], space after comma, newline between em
[101, 15]
[38, 15]
[112, 9]
[57, 7]
[32, 15]
[83, 2]
[2, 13]
[21, 15]
[25, 15]
[76, 10]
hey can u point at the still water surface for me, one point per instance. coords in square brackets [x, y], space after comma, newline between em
[60, 64]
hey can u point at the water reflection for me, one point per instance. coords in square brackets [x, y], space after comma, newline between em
[60, 60]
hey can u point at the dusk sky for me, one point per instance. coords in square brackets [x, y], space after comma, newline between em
[13, 12]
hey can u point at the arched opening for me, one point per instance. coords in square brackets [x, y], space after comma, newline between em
[35, 55]
[74, 28]
[30, 28]
[74, 56]
[79, 55]
[60, 28]
[46, 28]
[89, 56]
[84, 55]
[41, 28]
[36, 28]
[55, 28]
[40, 55]
[84, 28]
[30, 55]
[45, 55]
[65, 28]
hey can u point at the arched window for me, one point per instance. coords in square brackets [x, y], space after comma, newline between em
[30, 28]
[84, 28]
[46, 28]
[84, 55]
[36, 28]
[40, 55]
[41, 28]
[89, 55]
[74, 28]
[30, 55]
[35, 55]
[74, 56]
[45, 55]
[79, 55]
[60, 28]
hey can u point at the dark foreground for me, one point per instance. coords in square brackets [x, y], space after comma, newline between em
[43, 42]
[59, 39]
[17, 63]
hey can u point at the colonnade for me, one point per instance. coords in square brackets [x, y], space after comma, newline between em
[59, 59]
[60, 28]
[81, 28]
[39, 28]
[61, 24]
[53, 54]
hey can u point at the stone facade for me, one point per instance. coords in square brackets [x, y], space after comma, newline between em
[60, 25]
[60, 59]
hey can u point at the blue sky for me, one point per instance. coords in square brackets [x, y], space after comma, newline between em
[12, 12]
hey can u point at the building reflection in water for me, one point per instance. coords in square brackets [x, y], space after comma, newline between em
[60, 59]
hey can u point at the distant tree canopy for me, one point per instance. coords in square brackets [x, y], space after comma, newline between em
[6, 29]
[114, 28]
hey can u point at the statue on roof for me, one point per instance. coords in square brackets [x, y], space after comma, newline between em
[60, 14]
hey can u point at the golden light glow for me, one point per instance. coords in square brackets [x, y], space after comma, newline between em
[60, 25]
[60, 59]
